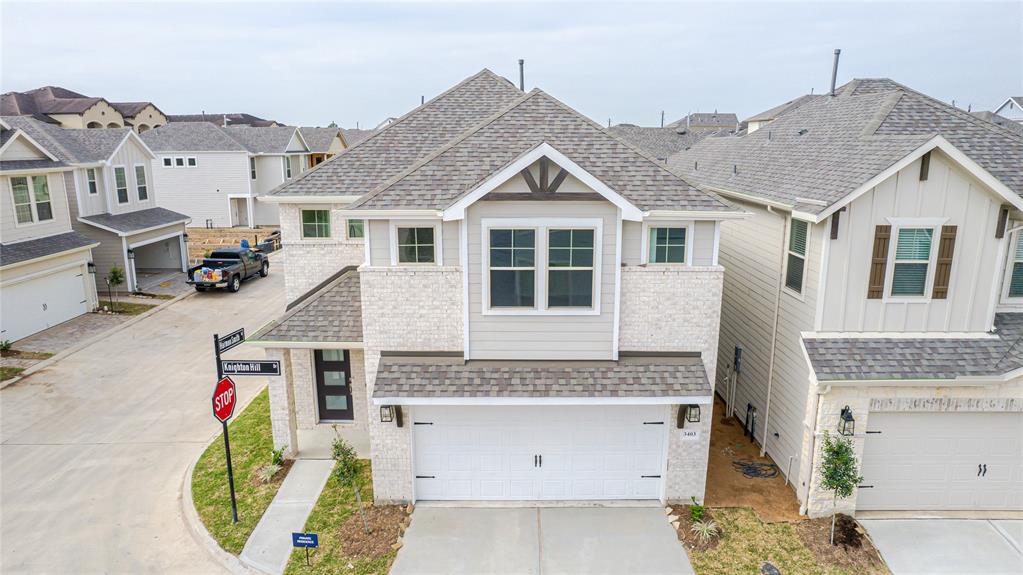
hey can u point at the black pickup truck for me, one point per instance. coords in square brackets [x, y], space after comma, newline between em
[227, 268]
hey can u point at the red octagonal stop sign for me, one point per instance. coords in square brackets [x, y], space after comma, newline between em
[224, 396]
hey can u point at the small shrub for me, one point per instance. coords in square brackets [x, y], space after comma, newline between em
[696, 511]
[5, 345]
[348, 470]
[267, 472]
[704, 530]
[277, 455]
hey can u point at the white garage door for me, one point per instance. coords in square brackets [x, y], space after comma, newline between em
[532, 452]
[943, 461]
[40, 303]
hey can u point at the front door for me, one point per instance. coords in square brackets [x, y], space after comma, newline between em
[333, 384]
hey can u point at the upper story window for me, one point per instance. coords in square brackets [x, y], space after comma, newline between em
[287, 167]
[356, 229]
[795, 264]
[168, 162]
[140, 183]
[90, 176]
[416, 245]
[1016, 276]
[912, 261]
[121, 183]
[512, 268]
[315, 223]
[193, 162]
[31, 205]
[252, 168]
[667, 246]
[179, 162]
[570, 268]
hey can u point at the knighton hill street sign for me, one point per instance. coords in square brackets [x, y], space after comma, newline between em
[250, 366]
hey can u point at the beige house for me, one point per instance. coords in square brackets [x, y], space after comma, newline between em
[876, 292]
[496, 299]
[72, 110]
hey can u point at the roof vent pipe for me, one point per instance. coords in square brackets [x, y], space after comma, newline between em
[522, 75]
[834, 70]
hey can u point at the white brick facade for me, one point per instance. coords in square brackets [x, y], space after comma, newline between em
[310, 261]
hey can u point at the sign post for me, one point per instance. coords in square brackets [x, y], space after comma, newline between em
[224, 399]
[306, 541]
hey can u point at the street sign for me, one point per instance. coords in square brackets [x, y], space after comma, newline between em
[230, 340]
[306, 540]
[250, 367]
[224, 398]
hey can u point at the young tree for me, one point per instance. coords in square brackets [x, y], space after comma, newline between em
[840, 472]
[115, 277]
[348, 470]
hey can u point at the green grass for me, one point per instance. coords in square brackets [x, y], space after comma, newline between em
[251, 443]
[27, 354]
[335, 505]
[9, 372]
[128, 308]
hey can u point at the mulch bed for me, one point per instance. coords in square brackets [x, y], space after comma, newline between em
[278, 477]
[386, 524]
[685, 524]
[852, 550]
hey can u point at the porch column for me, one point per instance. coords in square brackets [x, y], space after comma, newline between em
[282, 404]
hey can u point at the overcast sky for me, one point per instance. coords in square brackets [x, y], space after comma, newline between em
[311, 64]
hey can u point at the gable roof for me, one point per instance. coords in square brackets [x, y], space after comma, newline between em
[782, 109]
[393, 148]
[190, 137]
[819, 153]
[131, 109]
[705, 120]
[319, 140]
[45, 100]
[263, 139]
[72, 145]
[659, 143]
[354, 136]
[329, 312]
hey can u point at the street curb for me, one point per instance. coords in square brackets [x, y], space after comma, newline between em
[95, 339]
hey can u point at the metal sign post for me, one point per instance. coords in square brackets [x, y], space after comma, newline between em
[307, 541]
[224, 399]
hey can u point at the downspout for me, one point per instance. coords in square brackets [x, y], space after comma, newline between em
[774, 334]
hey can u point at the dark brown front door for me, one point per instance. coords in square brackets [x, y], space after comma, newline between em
[333, 389]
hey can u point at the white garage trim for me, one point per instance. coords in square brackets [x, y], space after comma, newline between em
[42, 273]
[698, 399]
[148, 241]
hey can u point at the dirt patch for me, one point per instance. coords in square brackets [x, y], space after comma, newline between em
[690, 540]
[737, 476]
[852, 550]
[18, 354]
[278, 477]
[386, 524]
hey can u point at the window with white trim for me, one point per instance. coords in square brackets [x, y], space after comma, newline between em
[90, 177]
[179, 162]
[252, 168]
[667, 245]
[570, 268]
[121, 184]
[287, 167]
[193, 162]
[416, 245]
[315, 223]
[356, 229]
[31, 199]
[912, 261]
[140, 183]
[1016, 276]
[795, 264]
[512, 271]
[168, 162]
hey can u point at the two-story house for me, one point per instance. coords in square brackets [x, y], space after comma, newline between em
[324, 143]
[533, 314]
[876, 293]
[112, 200]
[215, 174]
[69, 109]
[1012, 108]
[45, 266]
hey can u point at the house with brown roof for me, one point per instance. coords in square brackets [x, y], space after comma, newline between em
[70, 109]
[876, 293]
[495, 298]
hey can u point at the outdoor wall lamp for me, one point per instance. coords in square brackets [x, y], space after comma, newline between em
[846, 423]
[391, 413]
[92, 268]
[131, 254]
[184, 237]
[690, 413]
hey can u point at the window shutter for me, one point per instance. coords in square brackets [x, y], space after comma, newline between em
[943, 270]
[879, 262]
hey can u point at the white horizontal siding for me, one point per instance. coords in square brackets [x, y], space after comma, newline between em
[202, 192]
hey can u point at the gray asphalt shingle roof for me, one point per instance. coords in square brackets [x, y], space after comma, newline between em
[354, 136]
[330, 312]
[1001, 121]
[11, 254]
[75, 146]
[136, 221]
[190, 137]
[851, 359]
[706, 120]
[658, 143]
[262, 139]
[319, 139]
[782, 109]
[447, 376]
[233, 119]
[16, 165]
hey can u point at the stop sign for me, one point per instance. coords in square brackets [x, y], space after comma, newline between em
[224, 396]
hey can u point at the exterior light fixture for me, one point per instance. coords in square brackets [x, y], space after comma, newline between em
[184, 237]
[131, 254]
[391, 413]
[690, 413]
[846, 423]
[92, 268]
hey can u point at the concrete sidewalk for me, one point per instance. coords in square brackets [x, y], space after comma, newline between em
[960, 546]
[269, 546]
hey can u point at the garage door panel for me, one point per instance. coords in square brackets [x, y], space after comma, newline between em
[34, 305]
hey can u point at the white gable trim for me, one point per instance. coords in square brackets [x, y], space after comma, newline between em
[301, 139]
[19, 133]
[1010, 101]
[131, 135]
[951, 151]
[457, 210]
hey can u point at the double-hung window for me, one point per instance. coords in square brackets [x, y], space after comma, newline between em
[795, 264]
[356, 229]
[512, 268]
[1016, 276]
[140, 183]
[121, 183]
[252, 168]
[416, 245]
[287, 167]
[315, 223]
[912, 261]
[667, 246]
[90, 176]
[31, 204]
[570, 268]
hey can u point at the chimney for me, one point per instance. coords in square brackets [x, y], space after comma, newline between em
[522, 75]
[662, 118]
[834, 70]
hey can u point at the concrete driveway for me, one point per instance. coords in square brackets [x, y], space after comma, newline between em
[961, 546]
[95, 447]
[543, 540]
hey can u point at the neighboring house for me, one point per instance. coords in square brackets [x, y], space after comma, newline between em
[45, 266]
[659, 143]
[69, 109]
[112, 199]
[707, 121]
[354, 135]
[760, 120]
[324, 143]
[236, 119]
[1012, 109]
[141, 116]
[214, 174]
[531, 315]
[1001, 121]
[879, 281]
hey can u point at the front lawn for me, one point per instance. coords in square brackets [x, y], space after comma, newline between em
[9, 372]
[251, 444]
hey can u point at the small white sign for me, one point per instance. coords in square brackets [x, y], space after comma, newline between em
[690, 434]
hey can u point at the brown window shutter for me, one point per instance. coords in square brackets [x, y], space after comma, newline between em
[943, 271]
[879, 262]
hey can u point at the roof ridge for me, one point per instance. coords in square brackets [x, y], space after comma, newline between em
[51, 140]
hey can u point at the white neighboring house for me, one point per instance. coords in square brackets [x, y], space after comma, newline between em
[45, 266]
[876, 291]
[1012, 109]
[215, 174]
[499, 300]
[112, 199]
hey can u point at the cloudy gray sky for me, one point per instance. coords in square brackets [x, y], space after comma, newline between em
[349, 62]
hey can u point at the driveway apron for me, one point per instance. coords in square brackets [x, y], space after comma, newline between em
[961, 546]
